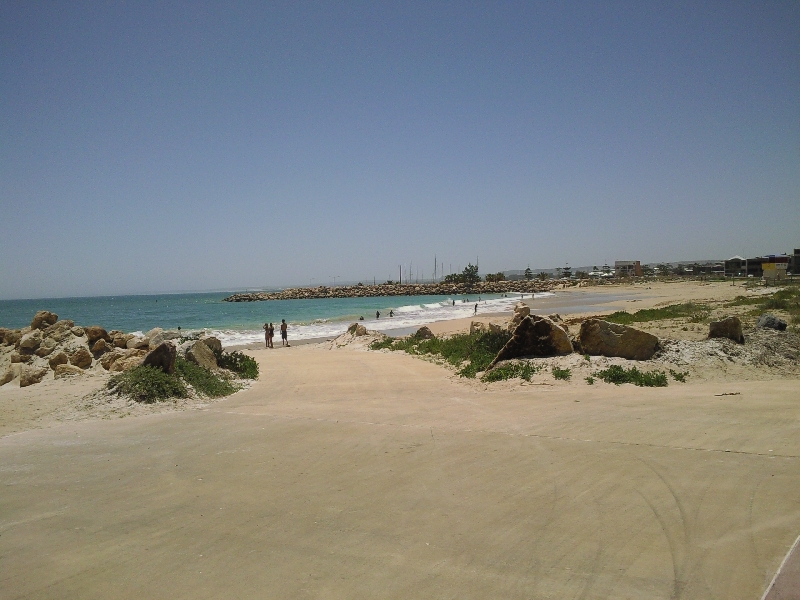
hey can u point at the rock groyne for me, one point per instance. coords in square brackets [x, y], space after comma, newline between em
[397, 289]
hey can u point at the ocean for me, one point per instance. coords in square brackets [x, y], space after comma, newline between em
[240, 323]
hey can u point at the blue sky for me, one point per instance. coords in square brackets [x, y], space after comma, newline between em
[155, 147]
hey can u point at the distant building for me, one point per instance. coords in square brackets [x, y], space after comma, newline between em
[794, 262]
[628, 268]
[773, 266]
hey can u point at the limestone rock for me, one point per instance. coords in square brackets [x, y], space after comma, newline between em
[535, 336]
[127, 363]
[109, 357]
[46, 348]
[78, 331]
[521, 310]
[12, 337]
[64, 371]
[138, 343]
[768, 321]
[94, 333]
[81, 358]
[601, 338]
[216, 346]
[43, 319]
[16, 357]
[30, 341]
[477, 327]
[12, 372]
[357, 329]
[424, 333]
[120, 340]
[31, 374]
[100, 347]
[59, 331]
[163, 357]
[59, 358]
[201, 354]
[3, 332]
[730, 328]
[153, 332]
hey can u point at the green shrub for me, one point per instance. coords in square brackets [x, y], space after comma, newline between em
[147, 384]
[238, 362]
[523, 370]
[590, 380]
[384, 344]
[696, 312]
[203, 380]
[616, 374]
[473, 353]
[563, 374]
[679, 376]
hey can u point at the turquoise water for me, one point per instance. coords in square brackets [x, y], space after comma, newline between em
[241, 322]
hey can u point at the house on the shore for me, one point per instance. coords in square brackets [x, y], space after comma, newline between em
[628, 268]
[771, 267]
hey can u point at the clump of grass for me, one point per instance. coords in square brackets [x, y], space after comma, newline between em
[471, 353]
[590, 380]
[562, 374]
[617, 375]
[523, 370]
[147, 384]
[696, 313]
[203, 380]
[678, 375]
[744, 301]
[238, 362]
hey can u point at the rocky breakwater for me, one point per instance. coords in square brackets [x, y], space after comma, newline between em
[55, 348]
[396, 289]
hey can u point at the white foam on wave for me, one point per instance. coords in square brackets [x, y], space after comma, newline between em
[413, 315]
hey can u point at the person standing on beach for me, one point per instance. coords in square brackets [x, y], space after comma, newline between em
[476, 309]
[266, 334]
[377, 314]
[284, 333]
[271, 333]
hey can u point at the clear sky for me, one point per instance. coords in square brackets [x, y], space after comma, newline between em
[154, 146]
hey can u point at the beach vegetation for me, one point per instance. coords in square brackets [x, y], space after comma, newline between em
[494, 277]
[562, 374]
[581, 275]
[695, 312]
[679, 375]
[202, 380]
[469, 353]
[147, 384]
[543, 276]
[240, 363]
[617, 375]
[528, 274]
[590, 380]
[510, 370]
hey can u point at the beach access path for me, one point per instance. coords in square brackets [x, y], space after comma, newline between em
[347, 474]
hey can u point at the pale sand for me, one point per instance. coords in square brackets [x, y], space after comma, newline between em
[352, 474]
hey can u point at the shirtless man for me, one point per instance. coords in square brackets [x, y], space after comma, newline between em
[266, 334]
[284, 334]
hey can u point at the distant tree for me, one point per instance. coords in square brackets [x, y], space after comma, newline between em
[581, 275]
[648, 271]
[528, 274]
[543, 276]
[679, 270]
[470, 274]
[664, 269]
[566, 272]
[494, 277]
[389, 282]
[558, 272]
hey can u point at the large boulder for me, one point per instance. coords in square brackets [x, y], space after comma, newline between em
[521, 310]
[42, 319]
[601, 338]
[81, 358]
[215, 345]
[64, 371]
[46, 348]
[12, 337]
[120, 340]
[12, 372]
[59, 331]
[3, 332]
[60, 358]
[423, 333]
[94, 333]
[357, 329]
[30, 342]
[78, 331]
[535, 336]
[768, 321]
[730, 328]
[31, 374]
[109, 358]
[100, 347]
[16, 357]
[133, 359]
[138, 343]
[162, 357]
[200, 354]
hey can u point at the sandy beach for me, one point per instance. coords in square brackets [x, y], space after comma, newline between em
[347, 473]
